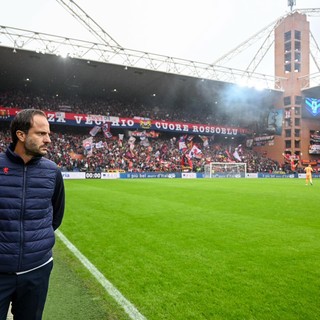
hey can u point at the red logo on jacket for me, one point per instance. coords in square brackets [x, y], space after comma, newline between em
[5, 170]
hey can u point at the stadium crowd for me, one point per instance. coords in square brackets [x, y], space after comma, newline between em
[159, 154]
[163, 153]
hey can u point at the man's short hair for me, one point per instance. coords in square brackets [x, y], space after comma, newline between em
[23, 121]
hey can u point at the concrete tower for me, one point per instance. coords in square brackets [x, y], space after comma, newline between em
[292, 61]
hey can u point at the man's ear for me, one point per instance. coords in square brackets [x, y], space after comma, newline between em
[21, 135]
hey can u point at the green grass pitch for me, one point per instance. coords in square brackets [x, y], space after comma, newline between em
[182, 249]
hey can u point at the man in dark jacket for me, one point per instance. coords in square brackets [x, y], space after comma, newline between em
[32, 203]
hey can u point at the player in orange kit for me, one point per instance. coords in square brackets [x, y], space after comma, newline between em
[308, 171]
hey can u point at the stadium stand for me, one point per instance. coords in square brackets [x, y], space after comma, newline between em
[161, 154]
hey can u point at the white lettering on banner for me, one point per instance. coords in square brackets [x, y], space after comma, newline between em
[122, 123]
[83, 119]
[78, 119]
[116, 122]
[88, 120]
[60, 117]
[93, 119]
[171, 126]
[164, 125]
[158, 125]
[218, 130]
[50, 117]
[195, 128]
[56, 117]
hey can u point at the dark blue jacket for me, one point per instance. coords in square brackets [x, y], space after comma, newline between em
[31, 208]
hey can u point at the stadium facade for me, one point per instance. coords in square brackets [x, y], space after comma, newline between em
[297, 113]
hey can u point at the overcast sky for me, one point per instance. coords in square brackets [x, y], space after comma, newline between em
[202, 30]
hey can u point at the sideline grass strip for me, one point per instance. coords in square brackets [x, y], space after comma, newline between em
[203, 249]
[130, 309]
[74, 294]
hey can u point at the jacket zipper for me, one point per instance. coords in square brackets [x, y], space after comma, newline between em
[22, 216]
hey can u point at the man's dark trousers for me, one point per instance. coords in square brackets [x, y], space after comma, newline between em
[27, 292]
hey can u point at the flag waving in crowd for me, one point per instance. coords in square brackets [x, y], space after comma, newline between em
[182, 143]
[106, 130]
[93, 132]
[195, 152]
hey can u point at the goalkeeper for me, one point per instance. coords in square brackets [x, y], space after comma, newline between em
[308, 171]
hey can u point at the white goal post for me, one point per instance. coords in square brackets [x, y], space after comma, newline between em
[225, 170]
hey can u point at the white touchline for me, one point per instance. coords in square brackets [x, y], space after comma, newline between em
[129, 308]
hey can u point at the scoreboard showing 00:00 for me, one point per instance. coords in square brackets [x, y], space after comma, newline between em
[93, 175]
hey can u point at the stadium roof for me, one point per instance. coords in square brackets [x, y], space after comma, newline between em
[48, 73]
[313, 92]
